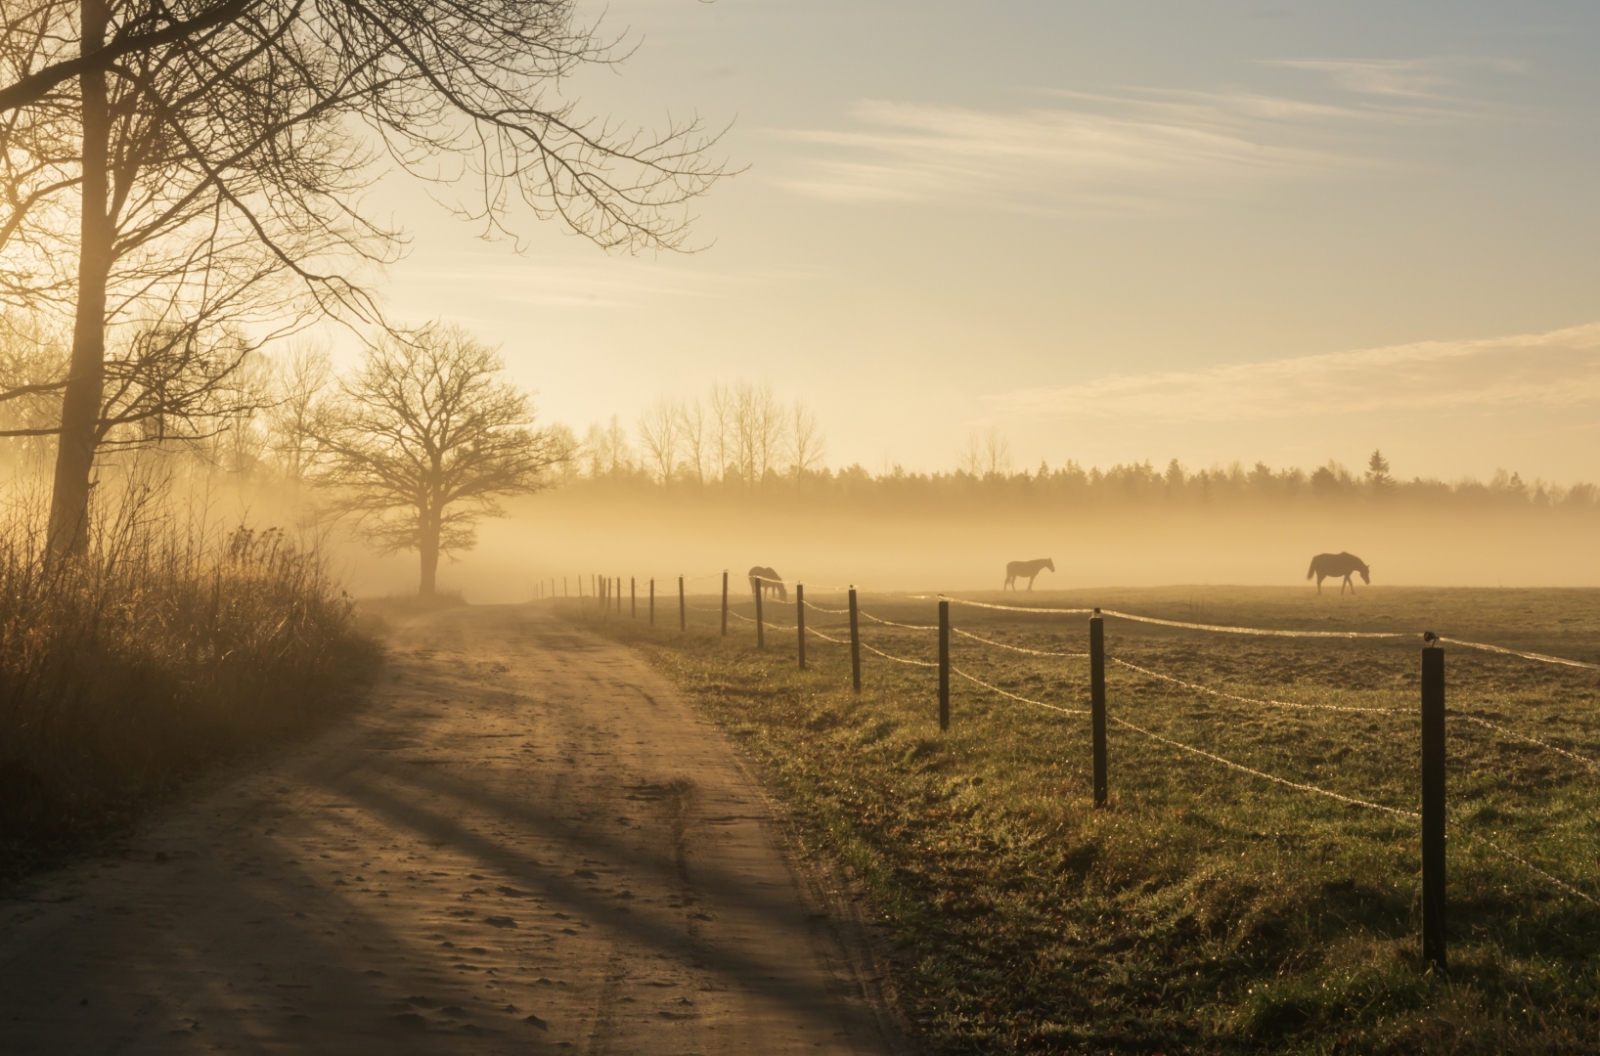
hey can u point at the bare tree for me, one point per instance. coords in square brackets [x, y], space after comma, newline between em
[425, 440]
[807, 445]
[659, 433]
[212, 153]
[692, 431]
[986, 453]
[724, 430]
[300, 377]
[606, 449]
[753, 429]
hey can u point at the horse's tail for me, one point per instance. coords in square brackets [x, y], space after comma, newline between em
[1313, 569]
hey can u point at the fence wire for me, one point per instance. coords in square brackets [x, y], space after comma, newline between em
[1590, 763]
[1036, 703]
[898, 659]
[891, 623]
[1541, 657]
[1250, 700]
[1016, 648]
[1475, 838]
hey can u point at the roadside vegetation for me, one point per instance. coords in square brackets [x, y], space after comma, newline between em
[1206, 910]
[163, 649]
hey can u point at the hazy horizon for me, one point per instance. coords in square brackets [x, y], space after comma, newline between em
[1113, 232]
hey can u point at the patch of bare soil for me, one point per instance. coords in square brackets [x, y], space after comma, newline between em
[527, 842]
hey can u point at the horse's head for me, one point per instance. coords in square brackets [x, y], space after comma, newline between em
[1050, 564]
[1365, 577]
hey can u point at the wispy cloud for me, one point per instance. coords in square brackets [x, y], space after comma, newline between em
[1121, 149]
[1557, 369]
[1435, 78]
[915, 152]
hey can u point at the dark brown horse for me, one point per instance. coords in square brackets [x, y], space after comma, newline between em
[766, 579]
[1341, 564]
[1031, 569]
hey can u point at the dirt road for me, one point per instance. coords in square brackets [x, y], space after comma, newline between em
[527, 842]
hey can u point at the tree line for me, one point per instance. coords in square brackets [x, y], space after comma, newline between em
[740, 434]
[183, 182]
[984, 474]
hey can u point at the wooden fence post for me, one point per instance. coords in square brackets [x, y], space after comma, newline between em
[565, 593]
[724, 603]
[633, 598]
[618, 582]
[652, 601]
[855, 645]
[761, 627]
[1433, 820]
[800, 619]
[944, 664]
[1097, 703]
[683, 609]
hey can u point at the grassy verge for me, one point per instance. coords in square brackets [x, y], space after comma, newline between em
[1206, 911]
[160, 652]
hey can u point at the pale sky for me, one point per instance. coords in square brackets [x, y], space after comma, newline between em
[1113, 231]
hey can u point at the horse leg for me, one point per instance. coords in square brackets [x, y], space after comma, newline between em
[1031, 579]
[1319, 582]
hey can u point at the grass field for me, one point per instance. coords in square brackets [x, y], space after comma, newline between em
[1206, 910]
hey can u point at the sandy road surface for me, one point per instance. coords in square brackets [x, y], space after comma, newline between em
[527, 843]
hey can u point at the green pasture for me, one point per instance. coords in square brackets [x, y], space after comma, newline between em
[1205, 910]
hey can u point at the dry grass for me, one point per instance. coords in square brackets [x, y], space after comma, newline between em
[162, 650]
[1206, 911]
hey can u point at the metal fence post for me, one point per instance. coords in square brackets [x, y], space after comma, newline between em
[683, 609]
[1433, 820]
[944, 664]
[633, 598]
[1097, 703]
[855, 645]
[761, 627]
[724, 603]
[652, 601]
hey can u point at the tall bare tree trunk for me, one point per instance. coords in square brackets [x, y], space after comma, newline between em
[80, 408]
[429, 546]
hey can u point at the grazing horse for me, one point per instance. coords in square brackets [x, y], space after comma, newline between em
[1031, 569]
[1342, 564]
[766, 579]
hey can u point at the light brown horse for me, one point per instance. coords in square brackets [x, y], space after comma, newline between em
[1340, 564]
[766, 579]
[1031, 569]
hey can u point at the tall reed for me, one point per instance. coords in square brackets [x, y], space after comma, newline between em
[165, 647]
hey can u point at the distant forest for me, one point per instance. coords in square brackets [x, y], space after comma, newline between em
[1135, 484]
[768, 450]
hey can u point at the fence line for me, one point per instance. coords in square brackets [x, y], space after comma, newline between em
[898, 659]
[827, 638]
[1496, 848]
[1016, 648]
[1297, 785]
[1002, 608]
[1263, 774]
[1590, 763]
[1036, 703]
[1250, 700]
[1542, 657]
[891, 623]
